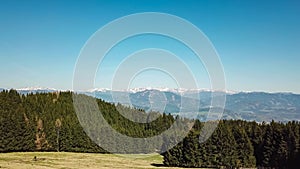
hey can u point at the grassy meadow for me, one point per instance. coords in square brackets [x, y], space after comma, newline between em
[64, 160]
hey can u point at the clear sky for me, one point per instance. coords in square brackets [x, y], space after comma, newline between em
[258, 41]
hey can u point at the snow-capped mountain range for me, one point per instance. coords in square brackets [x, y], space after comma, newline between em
[140, 89]
[258, 106]
[161, 89]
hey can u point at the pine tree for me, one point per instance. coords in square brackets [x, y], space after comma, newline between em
[41, 141]
[58, 128]
[244, 148]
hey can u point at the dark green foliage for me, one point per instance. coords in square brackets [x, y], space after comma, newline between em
[48, 122]
[239, 144]
[244, 149]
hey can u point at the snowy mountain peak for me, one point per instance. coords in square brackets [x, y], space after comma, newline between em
[99, 90]
[35, 88]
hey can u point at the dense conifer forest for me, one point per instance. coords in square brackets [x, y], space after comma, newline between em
[48, 122]
[237, 143]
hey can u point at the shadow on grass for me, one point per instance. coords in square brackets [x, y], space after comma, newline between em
[158, 165]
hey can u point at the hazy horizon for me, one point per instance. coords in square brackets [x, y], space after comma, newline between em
[137, 89]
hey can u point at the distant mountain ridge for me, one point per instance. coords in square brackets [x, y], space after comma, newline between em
[258, 106]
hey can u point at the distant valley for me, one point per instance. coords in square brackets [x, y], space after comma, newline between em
[258, 106]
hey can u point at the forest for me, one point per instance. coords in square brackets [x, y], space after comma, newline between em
[48, 122]
[237, 143]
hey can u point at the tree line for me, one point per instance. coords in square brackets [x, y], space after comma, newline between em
[48, 122]
[239, 144]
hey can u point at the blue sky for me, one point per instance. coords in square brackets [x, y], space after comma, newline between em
[258, 41]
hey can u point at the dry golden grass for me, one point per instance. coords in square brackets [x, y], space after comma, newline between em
[63, 160]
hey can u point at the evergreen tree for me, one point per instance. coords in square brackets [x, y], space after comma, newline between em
[244, 148]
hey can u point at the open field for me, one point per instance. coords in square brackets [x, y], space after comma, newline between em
[63, 160]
